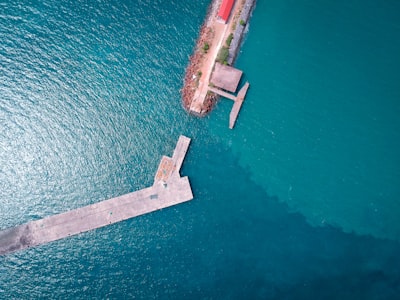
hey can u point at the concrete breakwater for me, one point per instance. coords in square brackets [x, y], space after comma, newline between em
[169, 189]
[214, 36]
[240, 29]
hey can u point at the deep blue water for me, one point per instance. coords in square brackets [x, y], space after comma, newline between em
[299, 201]
[321, 128]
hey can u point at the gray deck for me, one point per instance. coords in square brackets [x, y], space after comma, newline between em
[226, 77]
[172, 190]
[237, 105]
[237, 101]
[222, 93]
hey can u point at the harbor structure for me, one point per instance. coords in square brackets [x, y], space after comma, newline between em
[224, 82]
[169, 189]
[209, 74]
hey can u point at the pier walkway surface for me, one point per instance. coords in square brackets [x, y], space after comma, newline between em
[237, 105]
[169, 189]
[222, 93]
[238, 101]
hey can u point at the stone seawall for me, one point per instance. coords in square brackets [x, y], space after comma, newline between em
[240, 30]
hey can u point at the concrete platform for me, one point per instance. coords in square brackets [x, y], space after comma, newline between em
[226, 77]
[222, 93]
[238, 105]
[167, 190]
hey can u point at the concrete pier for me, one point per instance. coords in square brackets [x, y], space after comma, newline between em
[169, 189]
[222, 93]
[237, 105]
[238, 101]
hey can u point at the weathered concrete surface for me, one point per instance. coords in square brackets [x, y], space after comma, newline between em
[170, 191]
[237, 105]
[237, 101]
[222, 93]
[180, 153]
[226, 77]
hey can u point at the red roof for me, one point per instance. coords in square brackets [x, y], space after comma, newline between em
[225, 9]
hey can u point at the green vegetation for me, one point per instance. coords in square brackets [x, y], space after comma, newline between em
[199, 73]
[229, 40]
[222, 56]
[205, 48]
[242, 22]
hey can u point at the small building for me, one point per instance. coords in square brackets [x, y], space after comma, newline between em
[226, 77]
[225, 10]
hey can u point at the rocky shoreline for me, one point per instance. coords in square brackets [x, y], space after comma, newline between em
[192, 75]
[192, 71]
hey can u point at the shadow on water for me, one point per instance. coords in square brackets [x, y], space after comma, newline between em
[232, 241]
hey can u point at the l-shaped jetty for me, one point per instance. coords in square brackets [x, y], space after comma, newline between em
[169, 189]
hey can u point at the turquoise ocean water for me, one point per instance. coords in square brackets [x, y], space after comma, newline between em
[299, 201]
